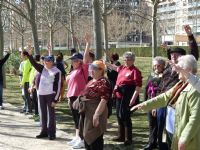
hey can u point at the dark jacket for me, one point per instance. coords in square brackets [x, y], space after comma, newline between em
[2, 61]
[170, 77]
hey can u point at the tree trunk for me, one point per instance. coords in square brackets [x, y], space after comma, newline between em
[97, 28]
[140, 38]
[32, 13]
[154, 30]
[105, 26]
[22, 41]
[72, 27]
[51, 39]
[2, 44]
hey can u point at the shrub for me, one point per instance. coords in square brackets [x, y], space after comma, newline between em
[12, 65]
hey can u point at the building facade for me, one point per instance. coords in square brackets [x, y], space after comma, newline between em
[173, 15]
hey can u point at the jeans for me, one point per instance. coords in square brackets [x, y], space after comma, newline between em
[161, 116]
[153, 129]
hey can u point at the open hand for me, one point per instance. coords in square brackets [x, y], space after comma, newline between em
[137, 107]
[188, 29]
[53, 104]
[87, 37]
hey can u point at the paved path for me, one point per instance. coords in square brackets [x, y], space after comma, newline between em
[17, 132]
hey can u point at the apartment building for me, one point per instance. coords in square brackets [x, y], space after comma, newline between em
[172, 15]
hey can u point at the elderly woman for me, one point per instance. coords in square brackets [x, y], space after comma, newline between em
[126, 91]
[186, 101]
[151, 90]
[94, 98]
[48, 91]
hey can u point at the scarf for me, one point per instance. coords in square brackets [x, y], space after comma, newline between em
[179, 87]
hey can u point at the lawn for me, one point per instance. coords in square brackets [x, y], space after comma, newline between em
[12, 94]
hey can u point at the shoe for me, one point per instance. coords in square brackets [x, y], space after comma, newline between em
[79, 144]
[41, 136]
[128, 142]
[2, 107]
[28, 112]
[22, 111]
[52, 137]
[150, 147]
[73, 141]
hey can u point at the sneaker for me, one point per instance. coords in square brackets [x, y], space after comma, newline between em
[73, 141]
[1, 107]
[79, 144]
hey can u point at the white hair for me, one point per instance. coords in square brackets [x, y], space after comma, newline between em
[188, 62]
[129, 55]
[160, 60]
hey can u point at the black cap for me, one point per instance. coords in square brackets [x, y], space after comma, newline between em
[76, 56]
[178, 50]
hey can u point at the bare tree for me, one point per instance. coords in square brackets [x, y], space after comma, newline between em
[107, 8]
[119, 26]
[20, 25]
[76, 18]
[26, 9]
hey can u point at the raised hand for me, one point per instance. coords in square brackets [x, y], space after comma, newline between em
[87, 37]
[49, 48]
[188, 29]
[164, 45]
[29, 49]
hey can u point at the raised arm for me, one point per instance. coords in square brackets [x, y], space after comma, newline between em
[192, 42]
[3, 60]
[36, 65]
[111, 66]
[86, 57]
[167, 49]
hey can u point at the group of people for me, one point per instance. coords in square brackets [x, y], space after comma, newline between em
[171, 95]
[172, 98]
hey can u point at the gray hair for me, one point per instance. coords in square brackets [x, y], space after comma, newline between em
[160, 60]
[188, 62]
[129, 55]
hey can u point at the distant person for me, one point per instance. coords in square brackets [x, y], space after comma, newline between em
[60, 66]
[185, 99]
[32, 88]
[2, 61]
[25, 82]
[112, 74]
[21, 68]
